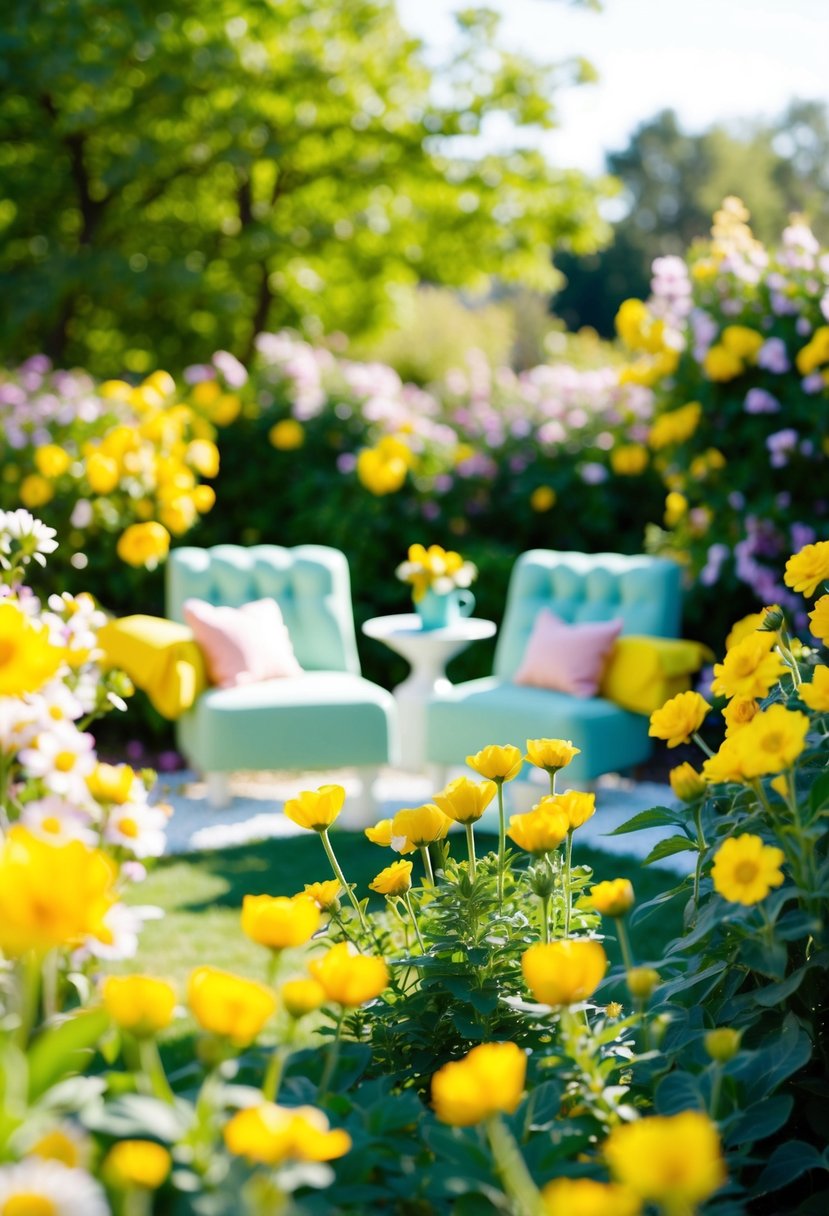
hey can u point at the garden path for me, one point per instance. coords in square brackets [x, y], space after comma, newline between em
[255, 812]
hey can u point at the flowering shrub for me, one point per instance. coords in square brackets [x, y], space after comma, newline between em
[735, 342]
[468, 1040]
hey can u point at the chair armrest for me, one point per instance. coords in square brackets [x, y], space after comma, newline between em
[160, 657]
[642, 673]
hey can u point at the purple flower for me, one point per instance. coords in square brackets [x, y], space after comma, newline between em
[759, 401]
[710, 572]
[801, 535]
[824, 306]
[773, 356]
[781, 444]
[803, 326]
[813, 383]
[235, 375]
[593, 474]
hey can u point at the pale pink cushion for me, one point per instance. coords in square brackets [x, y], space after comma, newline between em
[242, 645]
[567, 658]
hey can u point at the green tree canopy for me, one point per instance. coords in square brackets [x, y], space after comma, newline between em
[177, 176]
[674, 181]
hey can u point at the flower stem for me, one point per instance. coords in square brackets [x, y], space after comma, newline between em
[407, 900]
[552, 774]
[512, 1170]
[701, 847]
[335, 866]
[154, 1070]
[568, 860]
[29, 994]
[331, 1058]
[545, 918]
[427, 865]
[470, 845]
[624, 943]
[700, 742]
[276, 1066]
[715, 1091]
[502, 841]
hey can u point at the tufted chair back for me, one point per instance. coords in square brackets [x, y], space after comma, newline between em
[310, 583]
[643, 591]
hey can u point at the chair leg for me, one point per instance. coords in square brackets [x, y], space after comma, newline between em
[362, 811]
[218, 791]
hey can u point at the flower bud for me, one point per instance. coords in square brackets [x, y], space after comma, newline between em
[542, 878]
[613, 1010]
[641, 982]
[773, 619]
[723, 1043]
[686, 782]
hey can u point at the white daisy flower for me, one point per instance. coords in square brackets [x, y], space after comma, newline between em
[58, 821]
[57, 703]
[51, 1189]
[19, 725]
[122, 927]
[62, 757]
[32, 535]
[137, 827]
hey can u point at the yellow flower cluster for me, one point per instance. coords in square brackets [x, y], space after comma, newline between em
[270, 1135]
[675, 426]
[434, 569]
[815, 353]
[736, 350]
[383, 469]
[27, 656]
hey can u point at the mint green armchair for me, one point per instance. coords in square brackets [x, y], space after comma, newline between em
[643, 591]
[328, 717]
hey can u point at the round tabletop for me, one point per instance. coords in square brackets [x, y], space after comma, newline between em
[408, 625]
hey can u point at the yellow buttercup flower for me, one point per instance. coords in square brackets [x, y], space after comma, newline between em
[278, 922]
[723, 1043]
[612, 898]
[144, 544]
[679, 718]
[543, 498]
[641, 982]
[350, 979]
[396, 879]
[816, 694]
[140, 1004]
[420, 826]
[576, 805]
[497, 763]
[228, 1005]
[137, 1163]
[806, 570]
[203, 498]
[772, 741]
[542, 829]
[35, 491]
[111, 783]
[746, 869]
[301, 996]
[551, 754]
[380, 834]
[742, 341]
[269, 1135]
[287, 435]
[720, 364]
[814, 353]
[750, 668]
[488, 1081]
[27, 657]
[629, 459]
[102, 472]
[675, 427]
[585, 1197]
[325, 894]
[465, 800]
[316, 809]
[727, 764]
[676, 508]
[743, 628]
[672, 1160]
[203, 456]
[563, 972]
[819, 616]
[686, 782]
[738, 713]
[51, 460]
[52, 895]
[379, 473]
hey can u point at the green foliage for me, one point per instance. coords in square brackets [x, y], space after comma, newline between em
[179, 180]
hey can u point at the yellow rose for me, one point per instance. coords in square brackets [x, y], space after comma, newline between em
[674, 1161]
[745, 869]
[679, 718]
[144, 544]
[742, 341]
[381, 474]
[465, 800]
[316, 809]
[350, 979]
[102, 473]
[270, 1135]
[551, 754]
[738, 713]
[137, 1163]
[396, 879]
[489, 1080]
[612, 898]
[287, 435]
[278, 922]
[496, 763]
[721, 364]
[806, 570]
[563, 972]
[139, 1003]
[228, 1005]
[52, 461]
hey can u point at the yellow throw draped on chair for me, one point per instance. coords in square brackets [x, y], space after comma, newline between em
[642, 673]
[160, 657]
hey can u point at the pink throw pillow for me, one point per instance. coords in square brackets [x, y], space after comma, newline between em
[242, 645]
[567, 658]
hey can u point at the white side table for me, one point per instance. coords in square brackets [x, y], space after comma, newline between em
[427, 651]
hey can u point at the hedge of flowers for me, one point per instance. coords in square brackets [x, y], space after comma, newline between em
[735, 342]
[467, 1050]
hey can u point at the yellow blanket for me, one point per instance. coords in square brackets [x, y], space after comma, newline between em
[642, 673]
[160, 657]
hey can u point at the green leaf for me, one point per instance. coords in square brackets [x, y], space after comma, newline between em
[676, 1092]
[761, 1120]
[657, 817]
[774, 994]
[64, 1049]
[819, 794]
[667, 848]
[788, 1162]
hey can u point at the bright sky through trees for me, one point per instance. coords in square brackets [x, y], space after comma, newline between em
[710, 60]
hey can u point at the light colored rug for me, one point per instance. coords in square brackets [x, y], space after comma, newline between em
[255, 812]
